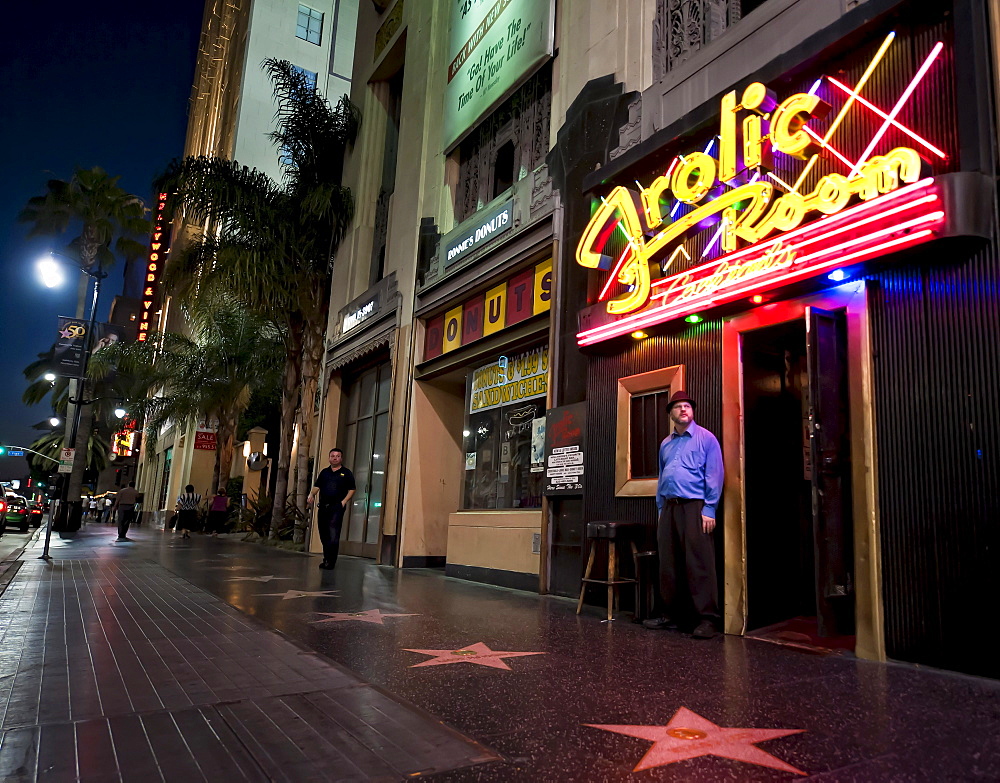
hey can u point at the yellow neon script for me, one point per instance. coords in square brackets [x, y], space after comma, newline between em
[749, 212]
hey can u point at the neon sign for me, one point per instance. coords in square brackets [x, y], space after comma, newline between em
[763, 233]
[158, 247]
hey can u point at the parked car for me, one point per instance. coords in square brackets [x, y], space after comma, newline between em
[3, 514]
[36, 512]
[16, 513]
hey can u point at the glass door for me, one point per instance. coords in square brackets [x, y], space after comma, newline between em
[366, 438]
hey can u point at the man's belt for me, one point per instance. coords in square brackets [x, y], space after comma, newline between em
[679, 501]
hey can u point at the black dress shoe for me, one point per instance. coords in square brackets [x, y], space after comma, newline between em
[326, 566]
[659, 624]
[705, 630]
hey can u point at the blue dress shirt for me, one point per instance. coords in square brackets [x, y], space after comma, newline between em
[690, 467]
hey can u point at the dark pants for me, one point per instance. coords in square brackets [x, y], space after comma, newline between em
[126, 516]
[687, 561]
[330, 520]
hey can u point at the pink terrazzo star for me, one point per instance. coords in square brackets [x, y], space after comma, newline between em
[688, 736]
[477, 653]
[368, 616]
[288, 594]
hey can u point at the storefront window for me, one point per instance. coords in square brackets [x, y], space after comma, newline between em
[504, 423]
[649, 424]
[366, 436]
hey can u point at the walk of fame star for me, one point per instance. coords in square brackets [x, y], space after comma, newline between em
[304, 594]
[688, 736]
[267, 578]
[477, 653]
[368, 616]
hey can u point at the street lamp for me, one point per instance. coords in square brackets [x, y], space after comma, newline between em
[121, 413]
[50, 377]
[50, 271]
[55, 421]
[52, 274]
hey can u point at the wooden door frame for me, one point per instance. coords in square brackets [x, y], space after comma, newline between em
[853, 300]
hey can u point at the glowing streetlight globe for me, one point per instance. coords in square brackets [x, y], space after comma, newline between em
[50, 272]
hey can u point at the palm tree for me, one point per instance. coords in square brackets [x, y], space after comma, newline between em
[107, 217]
[107, 392]
[273, 244]
[208, 375]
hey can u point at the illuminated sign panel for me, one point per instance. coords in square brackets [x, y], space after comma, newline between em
[767, 237]
[159, 245]
[525, 294]
[493, 45]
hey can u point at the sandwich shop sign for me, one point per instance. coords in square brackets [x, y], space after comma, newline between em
[768, 238]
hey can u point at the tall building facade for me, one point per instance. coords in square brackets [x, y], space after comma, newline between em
[787, 208]
[231, 113]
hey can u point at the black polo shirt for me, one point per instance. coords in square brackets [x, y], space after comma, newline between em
[334, 486]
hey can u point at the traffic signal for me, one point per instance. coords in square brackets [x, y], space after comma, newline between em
[3, 450]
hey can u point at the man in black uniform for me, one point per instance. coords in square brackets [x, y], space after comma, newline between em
[335, 487]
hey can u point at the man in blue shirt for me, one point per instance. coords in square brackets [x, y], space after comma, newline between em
[687, 495]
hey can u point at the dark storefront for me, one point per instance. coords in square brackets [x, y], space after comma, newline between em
[842, 342]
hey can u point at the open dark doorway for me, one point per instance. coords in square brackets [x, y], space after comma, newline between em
[797, 513]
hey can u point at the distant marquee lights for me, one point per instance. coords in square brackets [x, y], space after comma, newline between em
[159, 244]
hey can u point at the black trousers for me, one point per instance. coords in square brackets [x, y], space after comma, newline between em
[687, 561]
[126, 516]
[330, 521]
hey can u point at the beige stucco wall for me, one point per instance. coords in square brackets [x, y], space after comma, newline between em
[597, 38]
[434, 471]
[499, 540]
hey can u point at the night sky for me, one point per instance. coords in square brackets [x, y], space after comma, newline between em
[82, 84]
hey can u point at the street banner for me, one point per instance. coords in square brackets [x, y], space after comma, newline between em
[71, 339]
[565, 460]
[67, 355]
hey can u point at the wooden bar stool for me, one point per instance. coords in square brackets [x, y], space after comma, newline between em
[611, 532]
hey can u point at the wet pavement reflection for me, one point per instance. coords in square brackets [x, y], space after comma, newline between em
[566, 697]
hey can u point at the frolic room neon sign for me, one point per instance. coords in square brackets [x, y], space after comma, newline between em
[768, 238]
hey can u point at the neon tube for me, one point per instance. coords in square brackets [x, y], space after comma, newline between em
[665, 312]
[662, 314]
[818, 138]
[780, 181]
[715, 239]
[850, 102]
[614, 272]
[754, 283]
[876, 110]
[899, 105]
[846, 214]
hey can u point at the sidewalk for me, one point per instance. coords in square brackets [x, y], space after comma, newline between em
[113, 668]
[171, 659]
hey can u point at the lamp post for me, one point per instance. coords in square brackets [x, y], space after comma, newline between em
[51, 274]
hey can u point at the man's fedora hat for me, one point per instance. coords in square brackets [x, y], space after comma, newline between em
[680, 396]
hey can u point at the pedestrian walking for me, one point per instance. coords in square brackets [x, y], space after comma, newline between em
[335, 487]
[187, 511]
[125, 504]
[107, 503]
[218, 511]
[687, 494]
[92, 516]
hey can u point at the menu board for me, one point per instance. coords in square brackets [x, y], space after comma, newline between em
[565, 454]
